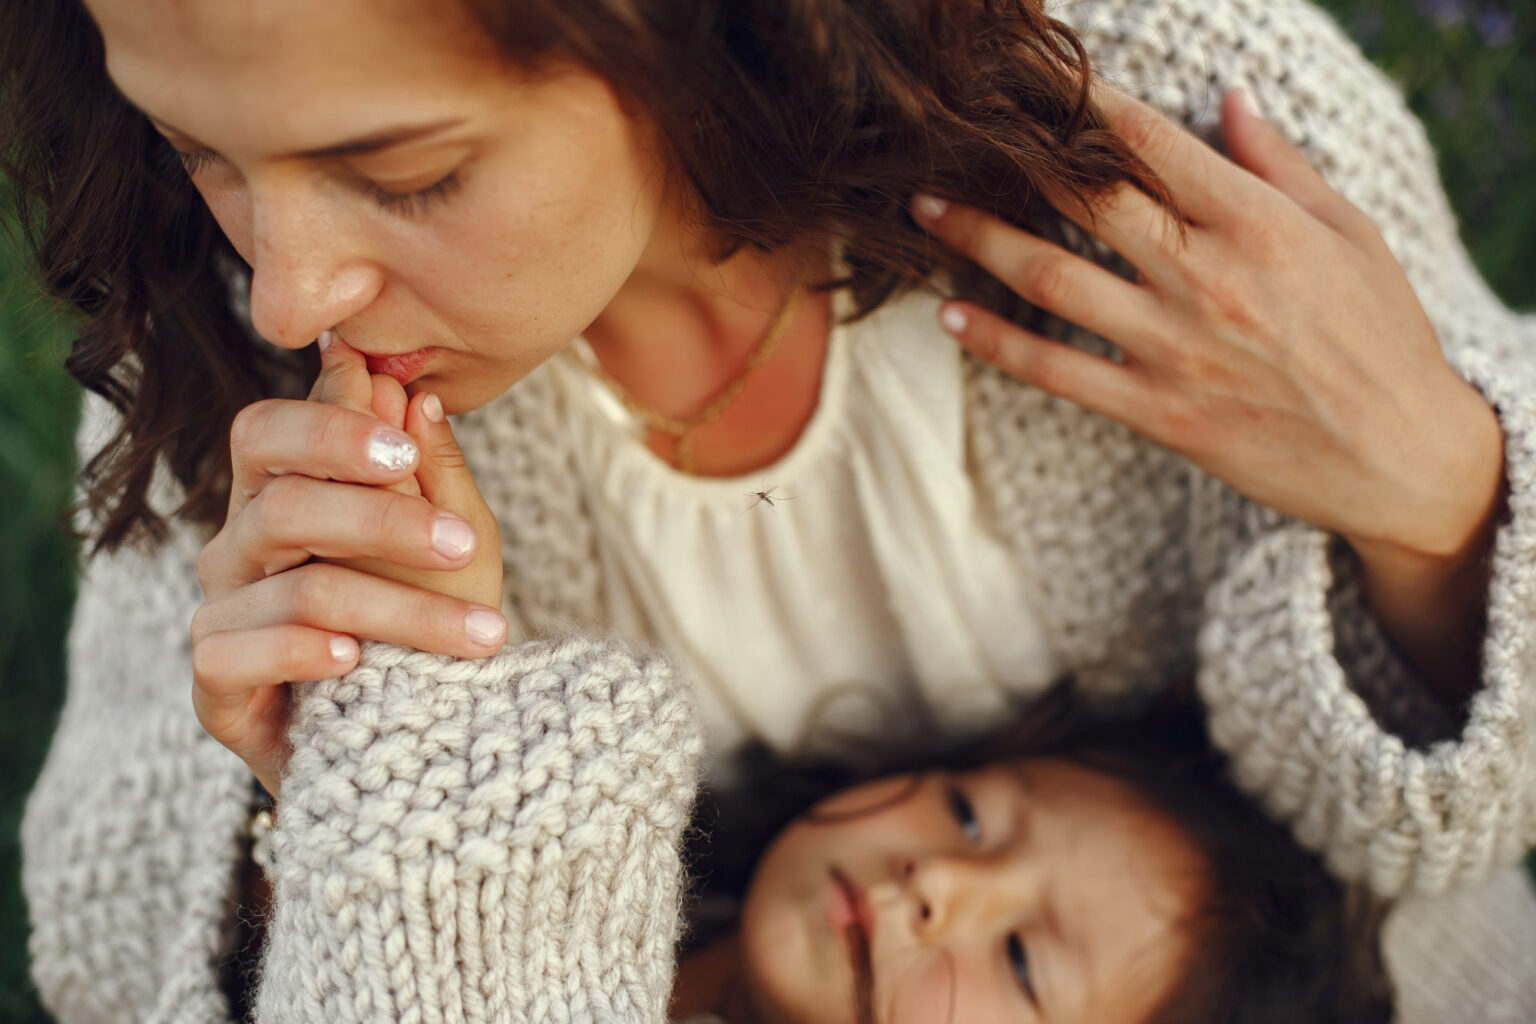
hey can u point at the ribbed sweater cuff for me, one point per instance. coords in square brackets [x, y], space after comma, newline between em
[481, 840]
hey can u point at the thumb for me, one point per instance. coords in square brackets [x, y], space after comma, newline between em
[344, 378]
[443, 473]
[446, 482]
[1257, 145]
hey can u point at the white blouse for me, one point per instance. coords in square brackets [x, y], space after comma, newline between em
[866, 594]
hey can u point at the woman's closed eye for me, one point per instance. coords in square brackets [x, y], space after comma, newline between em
[408, 203]
[965, 814]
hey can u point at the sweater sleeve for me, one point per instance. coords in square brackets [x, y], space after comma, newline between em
[1322, 720]
[133, 829]
[481, 840]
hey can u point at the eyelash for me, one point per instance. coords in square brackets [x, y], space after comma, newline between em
[1018, 959]
[401, 204]
[965, 814]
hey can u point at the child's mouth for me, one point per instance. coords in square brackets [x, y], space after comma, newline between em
[851, 917]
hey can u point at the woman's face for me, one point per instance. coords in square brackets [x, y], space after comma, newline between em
[384, 172]
[1033, 891]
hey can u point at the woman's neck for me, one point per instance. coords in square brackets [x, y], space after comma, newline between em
[682, 328]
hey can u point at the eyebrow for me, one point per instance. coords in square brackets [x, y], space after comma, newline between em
[373, 142]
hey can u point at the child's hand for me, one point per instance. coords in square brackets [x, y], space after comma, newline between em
[318, 487]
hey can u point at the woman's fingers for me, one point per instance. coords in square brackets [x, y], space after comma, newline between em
[389, 400]
[275, 437]
[342, 600]
[446, 483]
[1043, 274]
[237, 692]
[1105, 387]
[344, 378]
[296, 518]
[1260, 147]
[1203, 183]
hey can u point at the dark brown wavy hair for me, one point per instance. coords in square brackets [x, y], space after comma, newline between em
[793, 120]
[1276, 940]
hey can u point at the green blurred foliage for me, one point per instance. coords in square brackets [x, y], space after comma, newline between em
[1468, 69]
[1466, 66]
[37, 415]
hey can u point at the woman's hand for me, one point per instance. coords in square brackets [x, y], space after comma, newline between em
[340, 525]
[1272, 339]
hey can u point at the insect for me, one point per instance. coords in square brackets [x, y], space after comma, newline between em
[766, 497]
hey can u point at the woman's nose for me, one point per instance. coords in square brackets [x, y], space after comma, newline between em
[306, 274]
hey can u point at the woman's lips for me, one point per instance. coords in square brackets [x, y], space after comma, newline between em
[405, 367]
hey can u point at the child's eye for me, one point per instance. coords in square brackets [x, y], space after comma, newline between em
[1018, 959]
[965, 814]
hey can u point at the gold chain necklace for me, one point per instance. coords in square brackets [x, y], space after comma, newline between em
[680, 427]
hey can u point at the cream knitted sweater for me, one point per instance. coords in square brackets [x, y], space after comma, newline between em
[496, 840]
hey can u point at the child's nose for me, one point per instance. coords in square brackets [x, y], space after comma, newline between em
[946, 890]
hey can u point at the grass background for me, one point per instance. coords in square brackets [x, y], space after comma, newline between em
[1468, 68]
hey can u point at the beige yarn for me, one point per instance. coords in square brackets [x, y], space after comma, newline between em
[1146, 568]
[451, 847]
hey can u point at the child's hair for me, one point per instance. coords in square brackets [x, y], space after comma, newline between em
[1277, 939]
[792, 121]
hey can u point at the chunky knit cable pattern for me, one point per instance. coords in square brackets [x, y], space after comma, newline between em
[1146, 568]
[482, 841]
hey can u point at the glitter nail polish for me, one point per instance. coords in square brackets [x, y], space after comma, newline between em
[391, 451]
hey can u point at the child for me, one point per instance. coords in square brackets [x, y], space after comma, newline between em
[462, 852]
[1069, 868]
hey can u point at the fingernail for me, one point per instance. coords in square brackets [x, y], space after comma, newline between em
[452, 537]
[432, 409]
[953, 319]
[928, 207]
[391, 451]
[343, 648]
[325, 339]
[485, 627]
[1246, 100]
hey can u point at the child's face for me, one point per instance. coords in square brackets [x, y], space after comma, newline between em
[1031, 891]
[535, 198]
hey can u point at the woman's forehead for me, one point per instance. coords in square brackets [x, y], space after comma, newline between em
[285, 68]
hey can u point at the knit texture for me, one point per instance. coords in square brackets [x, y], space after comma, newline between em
[481, 841]
[1147, 569]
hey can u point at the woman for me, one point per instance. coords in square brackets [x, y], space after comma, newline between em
[1246, 482]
